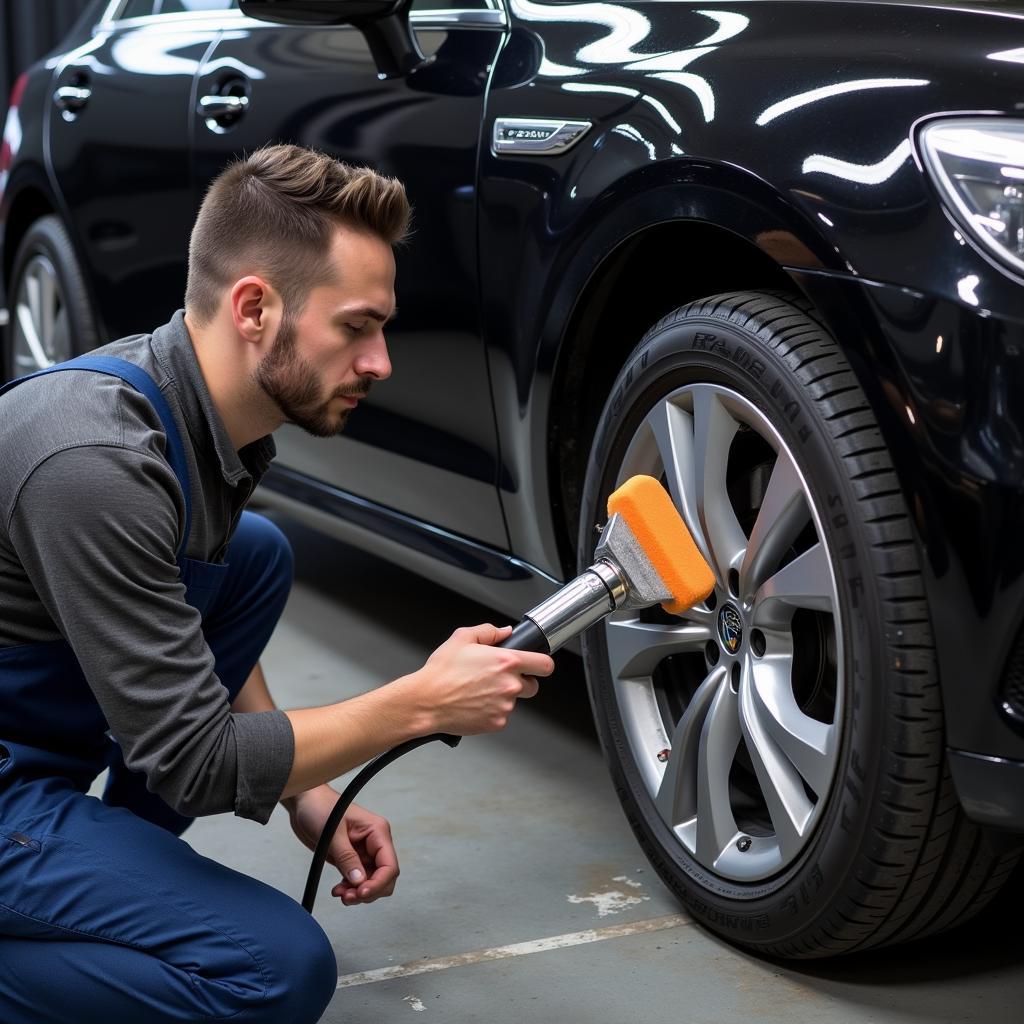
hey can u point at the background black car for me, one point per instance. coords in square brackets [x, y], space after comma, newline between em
[769, 252]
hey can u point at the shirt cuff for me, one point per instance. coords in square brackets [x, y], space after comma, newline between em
[265, 747]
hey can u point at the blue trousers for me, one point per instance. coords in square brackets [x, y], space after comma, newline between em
[107, 917]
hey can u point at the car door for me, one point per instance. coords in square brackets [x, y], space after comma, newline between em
[424, 444]
[117, 127]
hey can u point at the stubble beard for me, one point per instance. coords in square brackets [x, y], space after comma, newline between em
[291, 383]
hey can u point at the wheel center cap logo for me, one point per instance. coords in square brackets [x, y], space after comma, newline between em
[730, 628]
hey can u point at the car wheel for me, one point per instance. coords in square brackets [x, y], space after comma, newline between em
[779, 749]
[50, 316]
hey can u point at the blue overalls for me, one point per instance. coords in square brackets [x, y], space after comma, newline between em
[106, 916]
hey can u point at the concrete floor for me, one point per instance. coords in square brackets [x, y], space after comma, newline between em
[517, 837]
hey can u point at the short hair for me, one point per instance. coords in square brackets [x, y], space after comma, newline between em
[275, 211]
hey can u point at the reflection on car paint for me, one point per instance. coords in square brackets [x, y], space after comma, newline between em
[827, 91]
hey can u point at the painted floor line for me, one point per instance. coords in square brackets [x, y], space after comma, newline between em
[480, 956]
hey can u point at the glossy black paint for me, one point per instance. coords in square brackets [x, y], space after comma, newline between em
[724, 117]
[121, 168]
[416, 450]
[744, 144]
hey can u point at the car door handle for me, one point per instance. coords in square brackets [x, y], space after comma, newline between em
[72, 97]
[223, 106]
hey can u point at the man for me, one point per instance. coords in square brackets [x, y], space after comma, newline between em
[137, 596]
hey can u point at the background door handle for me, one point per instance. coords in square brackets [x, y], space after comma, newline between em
[223, 106]
[72, 98]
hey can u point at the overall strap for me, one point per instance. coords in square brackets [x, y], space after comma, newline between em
[139, 379]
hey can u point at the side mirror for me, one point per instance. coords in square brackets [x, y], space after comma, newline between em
[384, 23]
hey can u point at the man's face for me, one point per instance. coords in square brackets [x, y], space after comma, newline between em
[323, 361]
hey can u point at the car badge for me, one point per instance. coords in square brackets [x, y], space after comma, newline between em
[730, 628]
[542, 136]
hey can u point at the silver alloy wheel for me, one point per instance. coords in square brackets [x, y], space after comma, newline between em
[39, 326]
[745, 736]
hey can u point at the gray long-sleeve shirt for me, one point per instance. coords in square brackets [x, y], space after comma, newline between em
[91, 516]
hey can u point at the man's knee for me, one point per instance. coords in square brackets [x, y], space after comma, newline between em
[289, 973]
[304, 974]
[267, 542]
[261, 560]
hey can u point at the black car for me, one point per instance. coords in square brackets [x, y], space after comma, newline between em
[769, 252]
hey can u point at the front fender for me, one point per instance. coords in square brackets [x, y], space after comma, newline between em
[544, 247]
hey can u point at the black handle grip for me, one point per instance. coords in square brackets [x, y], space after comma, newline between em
[527, 636]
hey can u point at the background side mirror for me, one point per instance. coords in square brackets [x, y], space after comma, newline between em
[384, 23]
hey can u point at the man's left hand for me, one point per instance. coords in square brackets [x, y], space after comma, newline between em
[362, 849]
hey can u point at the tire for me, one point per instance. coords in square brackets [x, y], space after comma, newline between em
[793, 793]
[50, 316]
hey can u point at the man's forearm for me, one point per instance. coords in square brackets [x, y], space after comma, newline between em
[332, 740]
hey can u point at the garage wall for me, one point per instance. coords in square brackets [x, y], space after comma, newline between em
[29, 29]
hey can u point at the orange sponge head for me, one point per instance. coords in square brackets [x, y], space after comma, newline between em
[659, 529]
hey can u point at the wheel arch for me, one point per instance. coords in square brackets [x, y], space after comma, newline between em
[25, 207]
[633, 286]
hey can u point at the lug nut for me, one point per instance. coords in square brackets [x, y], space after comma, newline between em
[663, 755]
[743, 843]
[758, 644]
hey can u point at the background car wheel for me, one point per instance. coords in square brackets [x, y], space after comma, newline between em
[779, 750]
[50, 316]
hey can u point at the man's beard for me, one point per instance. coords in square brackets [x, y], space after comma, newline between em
[291, 383]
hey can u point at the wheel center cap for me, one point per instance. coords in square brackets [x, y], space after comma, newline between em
[730, 628]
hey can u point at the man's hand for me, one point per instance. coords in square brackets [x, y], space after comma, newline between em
[361, 850]
[470, 686]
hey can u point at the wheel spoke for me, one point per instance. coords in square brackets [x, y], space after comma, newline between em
[641, 455]
[28, 332]
[47, 312]
[805, 583]
[636, 648]
[783, 514]
[38, 298]
[719, 739]
[33, 289]
[806, 742]
[672, 429]
[788, 805]
[677, 795]
[714, 429]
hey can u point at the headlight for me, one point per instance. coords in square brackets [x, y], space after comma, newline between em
[978, 165]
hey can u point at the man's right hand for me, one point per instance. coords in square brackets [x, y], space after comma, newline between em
[469, 686]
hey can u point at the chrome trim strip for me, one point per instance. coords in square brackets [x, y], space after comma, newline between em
[477, 18]
[519, 136]
[456, 17]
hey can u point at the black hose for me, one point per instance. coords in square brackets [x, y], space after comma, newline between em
[344, 801]
[527, 636]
